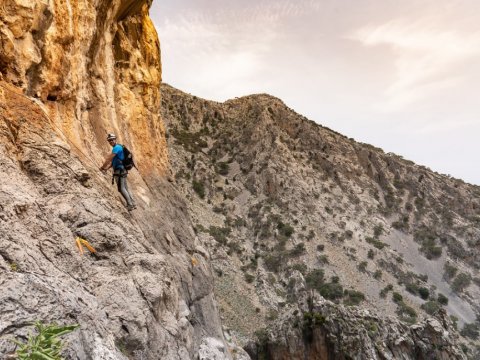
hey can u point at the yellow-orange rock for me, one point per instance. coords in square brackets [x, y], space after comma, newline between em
[95, 66]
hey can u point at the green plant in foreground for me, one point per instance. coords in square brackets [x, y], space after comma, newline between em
[199, 188]
[46, 345]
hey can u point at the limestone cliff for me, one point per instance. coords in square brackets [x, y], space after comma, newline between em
[95, 67]
[70, 72]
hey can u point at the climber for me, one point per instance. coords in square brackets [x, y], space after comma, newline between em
[115, 160]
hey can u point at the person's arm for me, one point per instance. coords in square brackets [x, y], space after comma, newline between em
[107, 164]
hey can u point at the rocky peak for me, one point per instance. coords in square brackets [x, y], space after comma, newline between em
[284, 204]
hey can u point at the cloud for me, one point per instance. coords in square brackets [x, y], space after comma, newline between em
[426, 56]
[447, 127]
[224, 52]
[400, 75]
[207, 58]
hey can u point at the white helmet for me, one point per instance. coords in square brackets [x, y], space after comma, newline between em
[111, 137]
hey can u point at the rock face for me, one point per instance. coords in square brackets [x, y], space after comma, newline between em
[148, 291]
[71, 71]
[286, 206]
[94, 65]
[326, 331]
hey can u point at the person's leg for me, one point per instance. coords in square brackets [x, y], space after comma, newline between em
[128, 191]
[121, 179]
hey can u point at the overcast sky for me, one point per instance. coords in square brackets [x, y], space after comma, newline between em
[400, 75]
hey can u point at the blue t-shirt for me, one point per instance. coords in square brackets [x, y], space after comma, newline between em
[117, 162]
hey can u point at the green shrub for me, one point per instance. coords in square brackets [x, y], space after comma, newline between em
[318, 319]
[376, 243]
[412, 288]
[454, 246]
[471, 331]
[315, 279]
[396, 297]
[402, 224]
[310, 321]
[390, 201]
[299, 267]
[239, 222]
[222, 168]
[406, 313]
[371, 254]
[46, 344]
[220, 233]
[320, 247]
[461, 282]
[454, 321]
[427, 238]
[424, 292]
[285, 229]
[323, 259]
[385, 290]
[431, 307]
[192, 142]
[331, 291]
[449, 271]
[442, 299]
[430, 250]
[298, 250]
[200, 228]
[377, 274]
[362, 267]
[199, 188]
[234, 246]
[353, 297]
[249, 278]
[311, 235]
[274, 262]
[378, 230]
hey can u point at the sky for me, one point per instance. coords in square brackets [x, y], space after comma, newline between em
[400, 75]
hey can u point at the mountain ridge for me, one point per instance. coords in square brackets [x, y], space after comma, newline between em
[377, 148]
[395, 214]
